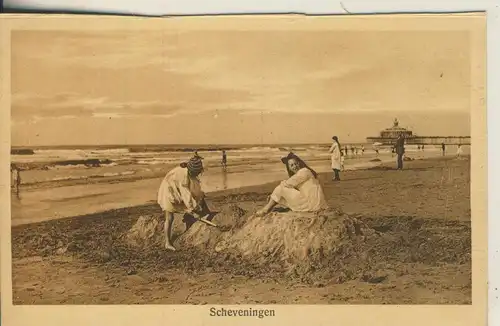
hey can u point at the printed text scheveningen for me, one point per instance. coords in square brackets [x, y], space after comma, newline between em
[249, 312]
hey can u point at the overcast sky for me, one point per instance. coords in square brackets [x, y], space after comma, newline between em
[235, 86]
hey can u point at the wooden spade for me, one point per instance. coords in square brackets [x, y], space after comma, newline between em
[205, 220]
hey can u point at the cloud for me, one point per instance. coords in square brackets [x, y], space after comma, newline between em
[163, 74]
[72, 106]
[109, 50]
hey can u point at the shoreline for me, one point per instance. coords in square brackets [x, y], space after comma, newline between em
[220, 195]
[159, 170]
[88, 197]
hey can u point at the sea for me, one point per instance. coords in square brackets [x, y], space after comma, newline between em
[58, 182]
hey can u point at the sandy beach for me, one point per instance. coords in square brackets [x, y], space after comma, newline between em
[422, 255]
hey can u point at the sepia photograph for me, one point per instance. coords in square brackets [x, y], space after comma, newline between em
[273, 162]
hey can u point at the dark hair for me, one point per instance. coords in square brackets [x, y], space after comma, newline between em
[302, 164]
[336, 139]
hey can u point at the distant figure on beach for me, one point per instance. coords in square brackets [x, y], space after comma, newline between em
[336, 157]
[362, 150]
[357, 151]
[459, 151]
[400, 150]
[352, 150]
[345, 150]
[16, 178]
[418, 147]
[376, 151]
[180, 192]
[302, 192]
[423, 148]
[443, 148]
[197, 155]
[224, 160]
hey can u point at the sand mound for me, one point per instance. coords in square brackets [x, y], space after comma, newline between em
[294, 242]
[149, 229]
[202, 236]
[288, 241]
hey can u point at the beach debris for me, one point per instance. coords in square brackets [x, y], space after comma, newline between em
[104, 255]
[61, 250]
[374, 278]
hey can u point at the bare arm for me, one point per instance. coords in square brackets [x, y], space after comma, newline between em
[298, 178]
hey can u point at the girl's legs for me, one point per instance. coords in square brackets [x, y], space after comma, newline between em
[169, 220]
[269, 206]
[337, 175]
[271, 202]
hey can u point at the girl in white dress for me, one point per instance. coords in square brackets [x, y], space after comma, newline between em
[180, 192]
[301, 192]
[336, 157]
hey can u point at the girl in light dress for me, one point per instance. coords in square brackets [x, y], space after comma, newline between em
[180, 192]
[301, 192]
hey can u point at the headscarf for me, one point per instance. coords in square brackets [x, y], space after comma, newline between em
[194, 165]
[302, 164]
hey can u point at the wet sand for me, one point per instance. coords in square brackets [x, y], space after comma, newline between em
[54, 200]
[433, 194]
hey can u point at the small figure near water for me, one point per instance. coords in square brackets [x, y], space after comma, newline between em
[302, 191]
[342, 160]
[336, 157]
[197, 155]
[443, 148]
[400, 150]
[16, 178]
[224, 161]
[459, 151]
[180, 192]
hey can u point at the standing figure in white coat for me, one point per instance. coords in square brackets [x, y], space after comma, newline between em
[301, 192]
[336, 156]
[459, 151]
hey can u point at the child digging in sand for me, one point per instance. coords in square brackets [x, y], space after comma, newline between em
[302, 191]
[180, 192]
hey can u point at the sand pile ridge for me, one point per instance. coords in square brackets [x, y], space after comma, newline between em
[290, 241]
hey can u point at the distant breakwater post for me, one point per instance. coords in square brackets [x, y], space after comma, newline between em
[389, 136]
